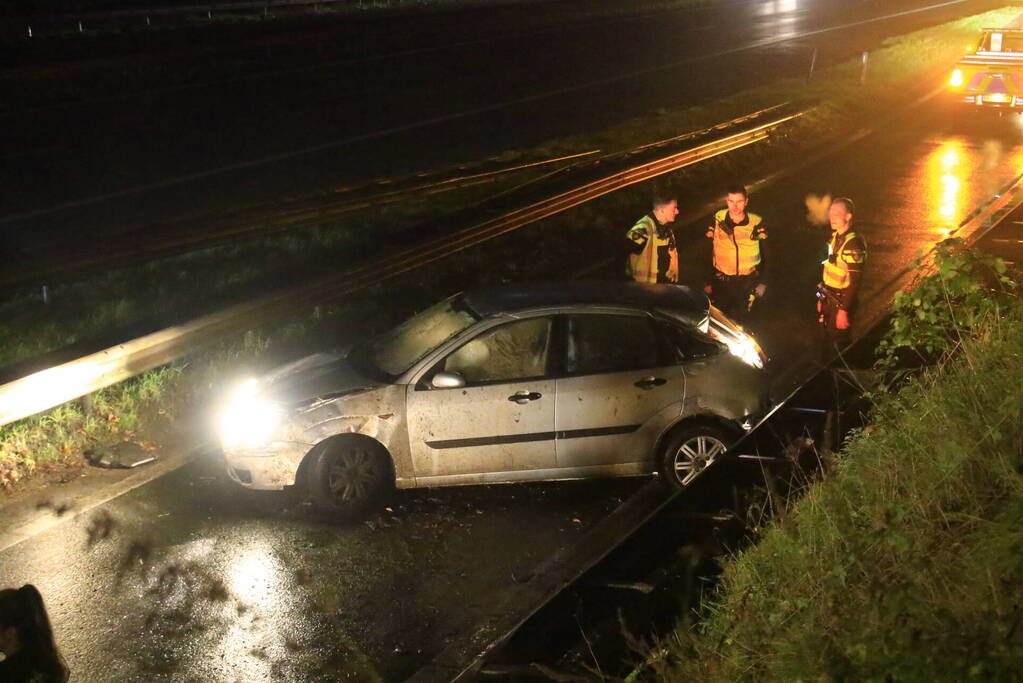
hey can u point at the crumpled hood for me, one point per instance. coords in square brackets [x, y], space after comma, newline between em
[321, 375]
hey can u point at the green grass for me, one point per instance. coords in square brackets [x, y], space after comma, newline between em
[177, 401]
[906, 564]
[173, 289]
[64, 433]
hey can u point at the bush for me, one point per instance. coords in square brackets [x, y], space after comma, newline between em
[964, 287]
[907, 563]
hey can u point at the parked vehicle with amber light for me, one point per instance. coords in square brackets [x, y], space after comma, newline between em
[561, 380]
[991, 76]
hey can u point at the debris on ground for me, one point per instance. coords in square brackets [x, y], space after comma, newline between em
[124, 455]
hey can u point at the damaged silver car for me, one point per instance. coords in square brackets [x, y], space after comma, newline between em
[547, 381]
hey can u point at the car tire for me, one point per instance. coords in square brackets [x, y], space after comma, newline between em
[690, 451]
[348, 478]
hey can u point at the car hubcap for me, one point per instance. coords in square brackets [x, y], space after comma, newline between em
[695, 455]
[351, 475]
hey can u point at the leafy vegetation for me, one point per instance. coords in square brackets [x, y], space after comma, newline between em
[962, 289]
[904, 564]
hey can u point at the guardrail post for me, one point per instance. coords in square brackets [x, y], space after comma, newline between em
[813, 63]
[148, 23]
[29, 31]
[79, 26]
[863, 67]
[46, 294]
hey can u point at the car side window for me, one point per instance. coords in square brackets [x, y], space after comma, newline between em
[689, 344]
[506, 353]
[612, 343]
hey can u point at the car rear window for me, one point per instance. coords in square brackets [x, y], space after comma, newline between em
[597, 343]
[690, 344]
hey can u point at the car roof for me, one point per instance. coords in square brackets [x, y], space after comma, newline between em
[676, 301]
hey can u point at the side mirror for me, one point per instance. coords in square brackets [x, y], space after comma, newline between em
[447, 380]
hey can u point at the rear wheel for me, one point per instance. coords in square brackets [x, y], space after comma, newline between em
[348, 479]
[692, 450]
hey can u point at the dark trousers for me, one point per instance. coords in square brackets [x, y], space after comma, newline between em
[732, 292]
[833, 340]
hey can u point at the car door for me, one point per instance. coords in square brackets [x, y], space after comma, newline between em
[500, 424]
[620, 388]
[716, 382]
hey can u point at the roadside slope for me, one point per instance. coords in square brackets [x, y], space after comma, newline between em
[905, 563]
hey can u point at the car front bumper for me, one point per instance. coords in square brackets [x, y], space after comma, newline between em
[268, 469]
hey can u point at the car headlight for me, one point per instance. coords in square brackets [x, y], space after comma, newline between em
[748, 351]
[249, 419]
[741, 345]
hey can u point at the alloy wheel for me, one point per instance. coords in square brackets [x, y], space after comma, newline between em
[695, 455]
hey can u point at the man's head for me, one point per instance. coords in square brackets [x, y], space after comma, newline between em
[665, 208]
[841, 213]
[737, 200]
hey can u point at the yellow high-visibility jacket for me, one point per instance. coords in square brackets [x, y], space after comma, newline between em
[846, 255]
[654, 256]
[737, 247]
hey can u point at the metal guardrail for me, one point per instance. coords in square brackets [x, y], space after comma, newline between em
[52, 387]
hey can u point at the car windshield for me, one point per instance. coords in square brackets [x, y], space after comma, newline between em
[396, 351]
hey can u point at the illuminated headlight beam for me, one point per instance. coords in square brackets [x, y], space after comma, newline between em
[249, 419]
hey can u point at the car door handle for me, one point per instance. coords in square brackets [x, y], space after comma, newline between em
[651, 382]
[523, 397]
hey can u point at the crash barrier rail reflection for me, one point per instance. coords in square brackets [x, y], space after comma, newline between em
[52, 387]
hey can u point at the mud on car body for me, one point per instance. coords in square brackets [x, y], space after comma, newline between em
[546, 381]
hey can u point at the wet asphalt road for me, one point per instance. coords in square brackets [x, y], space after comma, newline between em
[417, 95]
[913, 184]
[221, 584]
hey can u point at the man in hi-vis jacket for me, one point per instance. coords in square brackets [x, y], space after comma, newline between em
[653, 254]
[843, 271]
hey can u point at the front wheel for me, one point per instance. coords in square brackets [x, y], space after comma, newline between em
[691, 451]
[348, 479]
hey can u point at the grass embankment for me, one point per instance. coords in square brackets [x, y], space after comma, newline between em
[905, 563]
[185, 286]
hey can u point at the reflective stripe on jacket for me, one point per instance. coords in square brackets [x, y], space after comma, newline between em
[646, 265]
[737, 247]
[845, 253]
